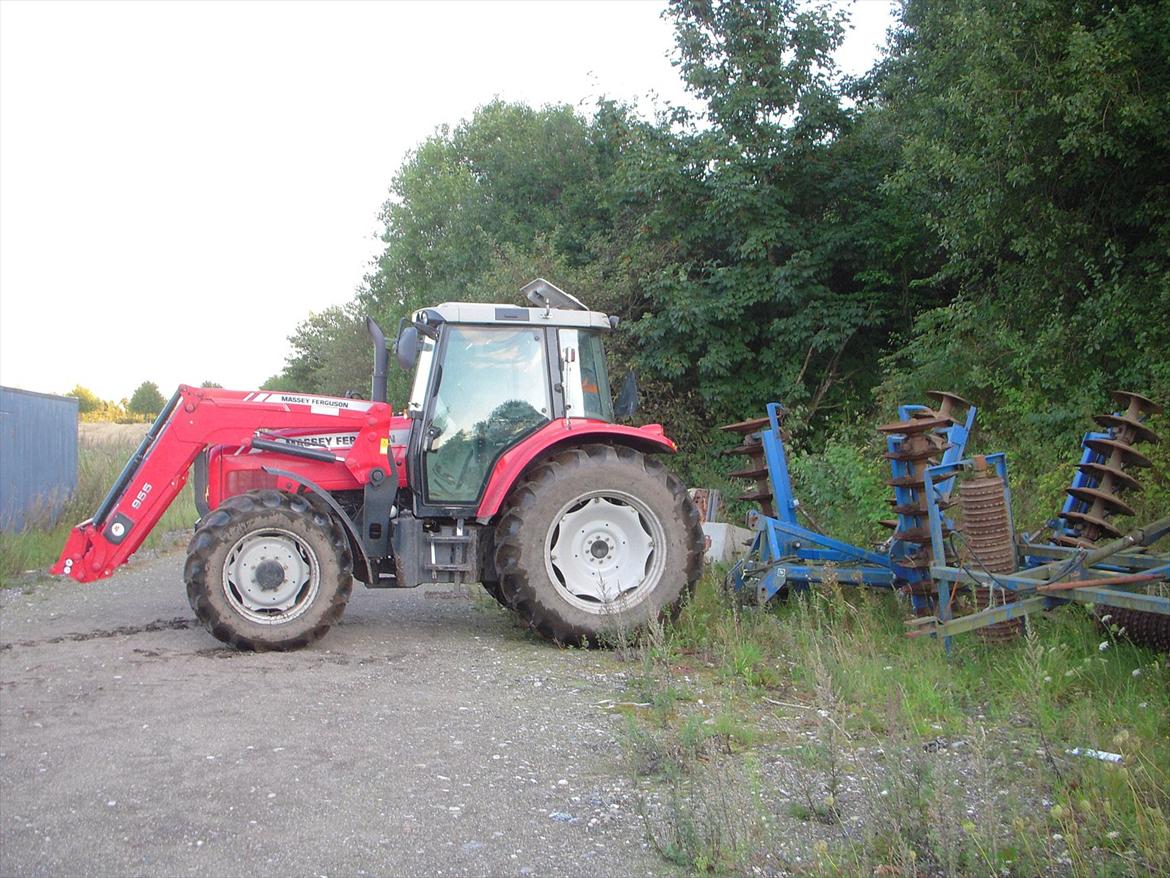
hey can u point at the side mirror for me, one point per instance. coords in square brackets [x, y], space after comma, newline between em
[627, 401]
[407, 347]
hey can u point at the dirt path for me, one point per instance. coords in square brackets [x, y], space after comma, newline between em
[426, 735]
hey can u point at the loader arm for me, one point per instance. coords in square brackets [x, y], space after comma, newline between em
[195, 419]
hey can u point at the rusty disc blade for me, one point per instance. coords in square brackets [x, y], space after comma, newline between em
[913, 535]
[756, 496]
[751, 448]
[750, 473]
[1100, 471]
[908, 454]
[947, 402]
[1091, 520]
[907, 509]
[918, 426]
[1107, 447]
[1128, 398]
[1092, 495]
[906, 482]
[1139, 431]
[752, 425]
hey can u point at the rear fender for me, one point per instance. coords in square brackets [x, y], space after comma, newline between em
[554, 437]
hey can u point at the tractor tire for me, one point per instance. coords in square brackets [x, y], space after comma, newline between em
[493, 588]
[596, 542]
[268, 570]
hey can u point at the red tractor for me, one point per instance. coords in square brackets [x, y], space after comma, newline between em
[506, 468]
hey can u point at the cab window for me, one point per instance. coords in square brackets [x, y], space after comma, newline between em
[586, 382]
[493, 390]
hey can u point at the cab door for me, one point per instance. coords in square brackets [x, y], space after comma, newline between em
[493, 389]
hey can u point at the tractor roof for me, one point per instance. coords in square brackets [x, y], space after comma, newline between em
[477, 312]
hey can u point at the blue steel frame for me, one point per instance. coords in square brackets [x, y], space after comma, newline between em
[784, 553]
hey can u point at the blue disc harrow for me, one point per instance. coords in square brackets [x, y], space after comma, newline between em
[926, 449]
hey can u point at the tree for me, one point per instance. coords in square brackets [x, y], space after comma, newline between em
[146, 399]
[770, 263]
[87, 400]
[509, 188]
[1034, 140]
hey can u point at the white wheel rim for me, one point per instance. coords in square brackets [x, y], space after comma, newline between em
[271, 576]
[605, 551]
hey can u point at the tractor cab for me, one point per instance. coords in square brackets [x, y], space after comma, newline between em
[487, 377]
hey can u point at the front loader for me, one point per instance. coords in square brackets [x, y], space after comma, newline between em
[505, 468]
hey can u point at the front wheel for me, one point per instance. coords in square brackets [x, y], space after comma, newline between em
[596, 541]
[268, 570]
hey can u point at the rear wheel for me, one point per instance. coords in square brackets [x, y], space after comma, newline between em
[268, 570]
[596, 541]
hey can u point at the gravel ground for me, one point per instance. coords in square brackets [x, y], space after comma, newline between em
[424, 735]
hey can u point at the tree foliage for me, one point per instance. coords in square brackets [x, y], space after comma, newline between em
[146, 399]
[87, 400]
[1034, 137]
[986, 211]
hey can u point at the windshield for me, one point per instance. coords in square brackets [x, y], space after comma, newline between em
[494, 390]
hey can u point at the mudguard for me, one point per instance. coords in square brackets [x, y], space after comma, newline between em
[560, 434]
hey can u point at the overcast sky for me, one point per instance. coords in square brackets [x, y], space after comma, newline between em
[181, 183]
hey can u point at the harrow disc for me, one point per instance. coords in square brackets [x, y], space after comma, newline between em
[1096, 489]
[1096, 498]
[1111, 502]
[1121, 478]
[1135, 403]
[755, 469]
[1120, 423]
[946, 404]
[1126, 454]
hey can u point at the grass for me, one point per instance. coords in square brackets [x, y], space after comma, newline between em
[39, 544]
[972, 773]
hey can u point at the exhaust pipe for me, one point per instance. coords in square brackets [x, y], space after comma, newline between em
[381, 361]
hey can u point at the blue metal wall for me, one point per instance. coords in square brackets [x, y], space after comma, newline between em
[38, 455]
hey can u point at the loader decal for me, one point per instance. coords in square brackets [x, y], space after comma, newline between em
[323, 405]
[323, 440]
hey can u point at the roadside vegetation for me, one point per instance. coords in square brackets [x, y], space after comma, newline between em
[812, 737]
[99, 461]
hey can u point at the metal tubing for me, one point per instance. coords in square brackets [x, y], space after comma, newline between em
[1143, 536]
[1121, 561]
[1129, 600]
[990, 616]
[1129, 579]
[135, 461]
[847, 551]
